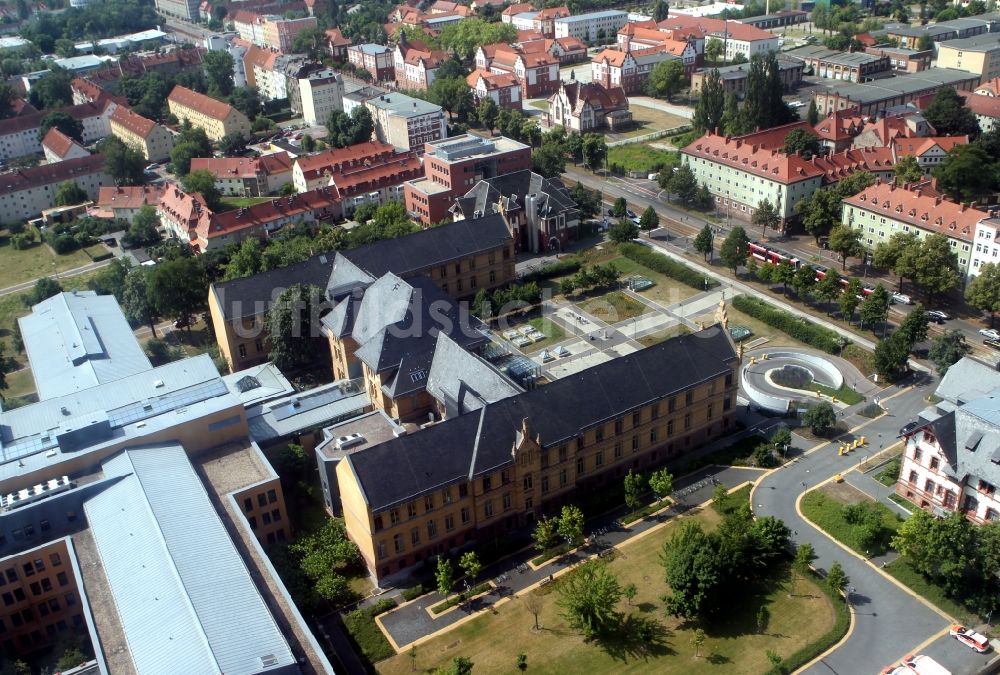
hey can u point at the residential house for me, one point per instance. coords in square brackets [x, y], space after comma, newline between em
[589, 107]
[245, 176]
[612, 69]
[336, 44]
[216, 118]
[737, 38]
[377, 181]
[313, 171]
[930, 152]
[122, 202]
[415, 64]
[986, 110]
[321, 93]
[57, 147]
[378, 60]
[535, 68]
[503, 88]
[153, 141]
[25, 193]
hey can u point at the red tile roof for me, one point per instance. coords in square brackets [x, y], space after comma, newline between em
[843, 164]
[774, 138]
[841, 125]
[48, 174]
[987, 106]
[129, 196]
[183, 209]
[493, 80]
[990, 87]
[754, 159]
[242, 167]
[313, 166]
[58, 142]
[319, 202]
[571, 44]
[518, 8]
[195, 101]
[133, 122]
[919, 146]
[553, 13]
[706, 26]
[396, 170]
[336, 38]
[917, 208]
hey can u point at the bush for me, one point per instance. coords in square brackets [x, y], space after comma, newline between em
[667, 266]
[22, 241]
[370, 641]
[798, 328]
[17, 227]
[560, 268]
[383, 605]
[63, 244]
[413, 592]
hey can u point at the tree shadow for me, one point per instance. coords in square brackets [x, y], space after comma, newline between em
[636, 637]
[646, 607]
[718, 659]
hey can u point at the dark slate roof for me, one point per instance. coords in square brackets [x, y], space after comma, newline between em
[481, 441]
[404, 256]
[511, 189]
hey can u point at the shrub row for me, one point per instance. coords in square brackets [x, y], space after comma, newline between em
[832, 636]
[557, 269]
[796, 327]
[360, 625]
[667, 266]
[413, 592]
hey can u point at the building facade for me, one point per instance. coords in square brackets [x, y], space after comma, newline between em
[150, 139]
[588, 107]
[503, 88]
[320, 97]
[406, 122]
[590, 27]
[216, 118]
[25, 193]
[378, 60]
[979, 55]
[837, 65]
[871, 98]
[247, 177]
[734, 78]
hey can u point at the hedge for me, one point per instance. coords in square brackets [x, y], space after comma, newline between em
[413, 592]
[360, 625]
[658, 262]
[800, 329]
[830, 638]
[557, 269]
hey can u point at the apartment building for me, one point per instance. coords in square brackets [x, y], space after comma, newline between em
[537, 21]
[910, 36]
[270, 30]
[636, 38]
[216, 118]
[588, 107]
[459, 257]
[19, 135]
[883, 209]
[454, 166]
[872, 97]
[536, 69]
[629, 70]
[247, 176]
[742, 171]
[336, 44]
[734, 78]
[590, 27]
[987, 249]
[503, 88]
[540, 212]
[122, 202]
[268, 70]
[415, 64]
[321, 96]
[985, 108]
[951, 463]
[837, 65]
[377, 181]
[25, 193]
[979, 55]
[152, 140]
[97, 517]
[313, 171]
[500, 466]
[57, 146]
[188, 10]
[378, 60]
[930, 151]
[406, 122]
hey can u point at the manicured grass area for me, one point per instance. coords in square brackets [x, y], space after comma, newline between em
[19, 266]
[871, 411]
[553, 331]
[19, 384]
[665, 291]
[901, 570]
[460, 598]
[902, 502]
[733, 645]
[639, 157]
[233, 203]
[649, 120]
[825, 508]
[614, 307]
[541, 105]
[775, 337]
[890, 472]
[845, 393]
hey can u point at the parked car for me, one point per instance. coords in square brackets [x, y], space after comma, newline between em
[937, 316]
[970, 638]
[630, 213]
[153, 166]
[653, 176]
[902, 298]
[989, 333]
[907, 428]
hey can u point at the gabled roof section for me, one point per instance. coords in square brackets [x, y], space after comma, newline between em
[185, 599]
[911, 205]
[59, 143]
[206, 104]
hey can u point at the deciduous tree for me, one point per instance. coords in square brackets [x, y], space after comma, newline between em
[766, 216]
[666, 79]
[983, 292]
[846, 241]
[69, 194]
[704, 242]
[444, 575]
[820, 418]
[203, 182]
[949, 115]
[633, 486]
[218, 65]
[649, 220]
[711, 105]
[907, 170]
[947, 349]
[292, 326]
[801, 142]
[64, 122]
[735, 248]
[570, 525]
[588, 598]
[875, 308]
[961, 175]
[936, 266]
[661, 482]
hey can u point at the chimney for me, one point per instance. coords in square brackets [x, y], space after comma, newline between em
[962, 206]
[937, 201]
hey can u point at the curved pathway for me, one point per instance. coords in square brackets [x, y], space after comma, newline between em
[889, 621]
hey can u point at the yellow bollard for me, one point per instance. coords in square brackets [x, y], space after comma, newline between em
[863, 441]
[833, 398]
[855, 444]
[753, 360]
[840, 451]
[838, 478]
[763, 357]
[819, 393]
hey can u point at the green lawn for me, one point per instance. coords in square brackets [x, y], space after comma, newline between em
[553, 331]
[614, 307]
[845, 393]
[541, 105]
[733, 645]
[233, 203]
[19, 266]
[825, 508]
[639, 157]
[904, 573]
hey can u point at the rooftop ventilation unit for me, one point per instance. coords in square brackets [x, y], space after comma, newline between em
[349, 441]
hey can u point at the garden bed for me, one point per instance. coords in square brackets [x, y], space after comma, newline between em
[476, 590]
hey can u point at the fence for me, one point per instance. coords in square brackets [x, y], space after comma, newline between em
[651, 136]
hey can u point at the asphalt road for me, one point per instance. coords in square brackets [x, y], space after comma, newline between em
[890, 623]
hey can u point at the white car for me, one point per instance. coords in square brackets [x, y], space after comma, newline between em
[970, 638]
[989, 333]
[902, 299]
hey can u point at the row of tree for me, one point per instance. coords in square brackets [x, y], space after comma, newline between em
[763, 106]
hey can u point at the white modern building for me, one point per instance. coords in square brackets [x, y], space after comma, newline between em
[321, 93]
[590, 27]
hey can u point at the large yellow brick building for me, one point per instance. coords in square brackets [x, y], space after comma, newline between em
[142, 134]
[500, 465]
[215, 117]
